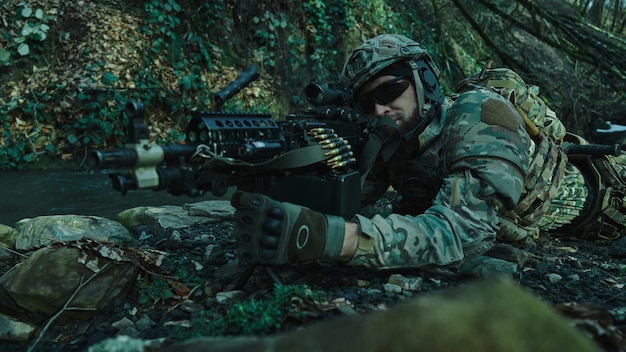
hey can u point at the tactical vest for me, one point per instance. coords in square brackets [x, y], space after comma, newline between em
[605, 175]
[548, 160]
[536, 114]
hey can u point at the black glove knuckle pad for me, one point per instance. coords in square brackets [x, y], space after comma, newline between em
[272, 227]
[270, 242]
[276, 213]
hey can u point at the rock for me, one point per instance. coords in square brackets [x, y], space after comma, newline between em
[13, 330]
[406, 283]
[229, 269]
[7, 241]
[189, 306]
[229, 297]
[211, 252]
[41, 231]
[124, 343]
[493, 315]
[393, 288]
[170, 217]
[132, 218]
[509, 253]
[7, 236]
[144, 323]
[554, 278]
[617, 249]
[574, 277]
[122, 324]
[487, 267]
[216, 209]
[45, 281]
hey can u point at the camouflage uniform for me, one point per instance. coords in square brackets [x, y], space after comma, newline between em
[478, 177]
[483, 165]
[470, 170]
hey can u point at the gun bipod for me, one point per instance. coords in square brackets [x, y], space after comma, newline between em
[249, 270]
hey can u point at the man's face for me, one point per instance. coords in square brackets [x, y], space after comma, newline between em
[391, 96]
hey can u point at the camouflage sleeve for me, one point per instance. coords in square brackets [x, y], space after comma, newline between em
[486, 158]
[487, 135]
[453, 227]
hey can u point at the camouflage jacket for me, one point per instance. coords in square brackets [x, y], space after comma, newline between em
[475, 165]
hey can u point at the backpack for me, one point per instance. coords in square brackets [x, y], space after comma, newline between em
[506, 82]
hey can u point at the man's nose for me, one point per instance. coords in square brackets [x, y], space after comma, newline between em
[381, 110]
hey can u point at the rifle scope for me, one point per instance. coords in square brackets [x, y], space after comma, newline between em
[327, 94]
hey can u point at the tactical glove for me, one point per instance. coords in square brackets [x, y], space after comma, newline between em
[272, 232]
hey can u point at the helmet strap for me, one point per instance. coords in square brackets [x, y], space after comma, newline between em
[425, 121]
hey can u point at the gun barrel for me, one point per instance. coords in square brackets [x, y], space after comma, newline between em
[592, 149]
[246, 77]
[115, 158]
[129, 157]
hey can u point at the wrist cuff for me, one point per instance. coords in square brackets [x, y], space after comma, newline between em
[335, 233]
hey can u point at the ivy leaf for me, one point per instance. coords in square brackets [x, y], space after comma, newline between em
[29, 157]
[108, 78]
[27, 11]
[72, 138]
[27, 30]
[23, 49]
[185, 82]
[4, 55]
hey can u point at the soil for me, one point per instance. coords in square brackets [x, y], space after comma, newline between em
[584, 280]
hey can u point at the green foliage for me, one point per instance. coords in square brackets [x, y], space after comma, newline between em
[101, 121]
[254, 316]
[294, 43]
[267, 36]
[15, 151]
[33, 138]
[182, 45]
[27, 29]
[157, 289]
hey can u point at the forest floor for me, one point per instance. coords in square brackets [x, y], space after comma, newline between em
[583, 280]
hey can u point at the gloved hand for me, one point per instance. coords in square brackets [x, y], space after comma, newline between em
[272, 232]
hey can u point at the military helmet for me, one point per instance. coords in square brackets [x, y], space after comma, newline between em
[372, 57]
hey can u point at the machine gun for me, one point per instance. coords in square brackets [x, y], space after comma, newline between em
[308, 159]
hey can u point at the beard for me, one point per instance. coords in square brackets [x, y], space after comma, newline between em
[405, 123]
[402, 141]
[409, 132]
[410, 122]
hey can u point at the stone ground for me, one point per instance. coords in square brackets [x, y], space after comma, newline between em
[582, 280]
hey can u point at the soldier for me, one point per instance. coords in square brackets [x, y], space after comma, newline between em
[465, 169]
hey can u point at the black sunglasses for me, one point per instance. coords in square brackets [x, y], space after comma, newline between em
[383, 94]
